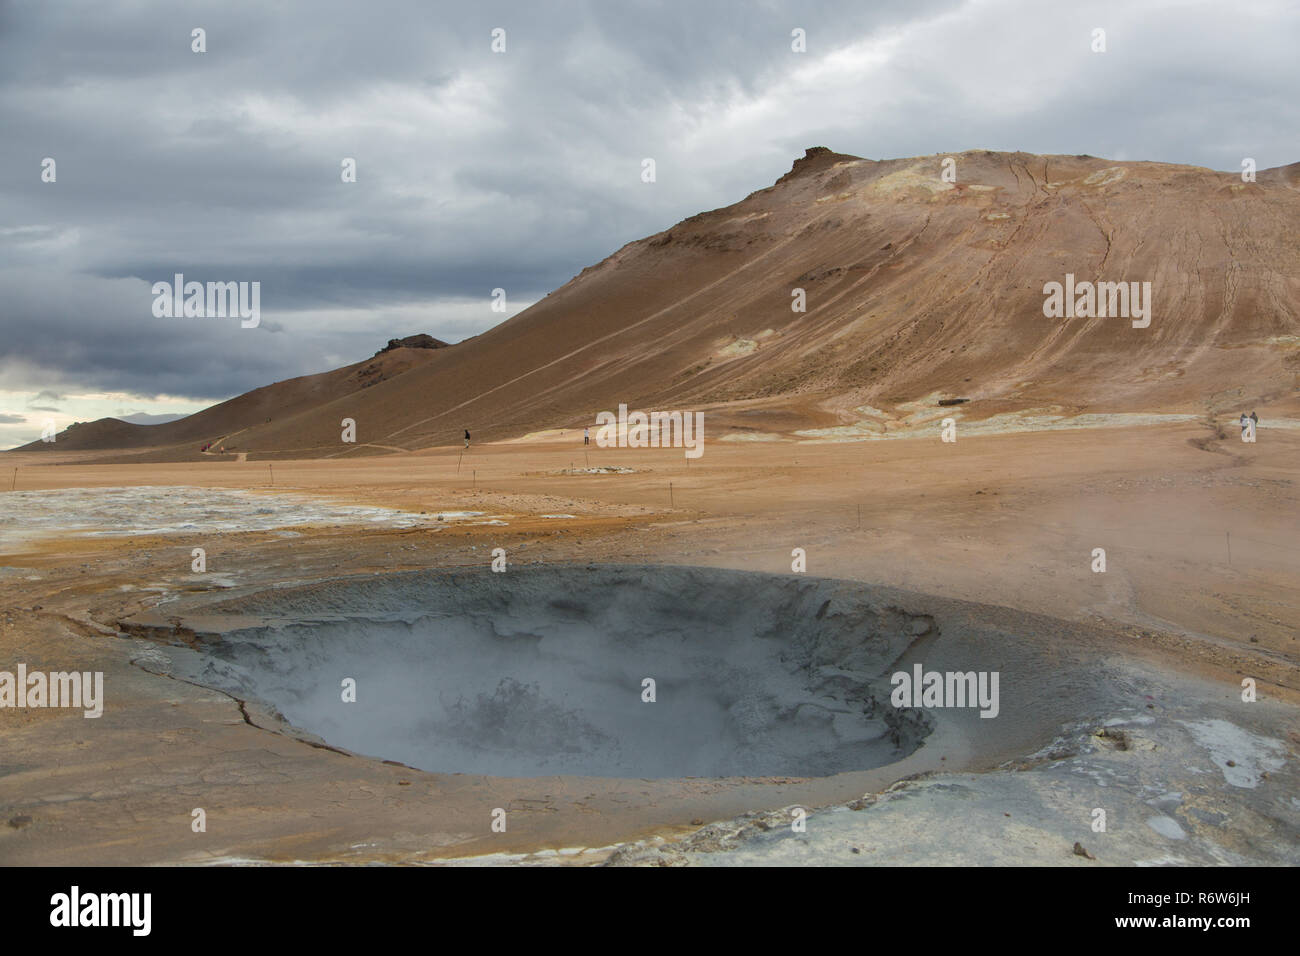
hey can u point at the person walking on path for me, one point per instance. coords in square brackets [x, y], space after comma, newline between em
[586, 436]
[467, 438]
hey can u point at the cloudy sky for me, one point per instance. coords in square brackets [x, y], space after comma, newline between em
[479, 170]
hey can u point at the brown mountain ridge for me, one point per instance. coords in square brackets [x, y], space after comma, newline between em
[918, 290]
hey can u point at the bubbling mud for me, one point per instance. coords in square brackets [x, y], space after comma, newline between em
[545, 670]
[597, 671]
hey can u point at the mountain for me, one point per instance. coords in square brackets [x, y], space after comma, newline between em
[291, 400]
[918, 290]
[420, 341]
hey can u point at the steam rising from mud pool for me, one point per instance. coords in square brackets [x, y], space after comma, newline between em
[543, 671]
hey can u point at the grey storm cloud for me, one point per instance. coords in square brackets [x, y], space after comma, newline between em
[478, 170]
[7, 419]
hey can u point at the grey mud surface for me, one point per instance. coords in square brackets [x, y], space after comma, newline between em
[539, 671]
[1181, 782]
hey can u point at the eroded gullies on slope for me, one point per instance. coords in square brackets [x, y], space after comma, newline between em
[542, 671]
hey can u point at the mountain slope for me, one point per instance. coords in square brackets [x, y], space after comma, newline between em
[916, 288]
[285, 401]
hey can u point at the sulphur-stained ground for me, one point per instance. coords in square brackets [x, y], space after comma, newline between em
[1199, 593]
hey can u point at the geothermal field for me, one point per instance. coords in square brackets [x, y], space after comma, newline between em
[506, 436]
[350, 679]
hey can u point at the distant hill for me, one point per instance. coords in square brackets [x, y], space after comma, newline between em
[273, 406]
[420, 341]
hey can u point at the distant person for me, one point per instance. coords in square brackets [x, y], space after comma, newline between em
[1254, 418]
[586, 436]
[1244, 422]
[467, 438]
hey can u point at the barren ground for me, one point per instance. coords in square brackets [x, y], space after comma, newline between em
[1203, 558]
